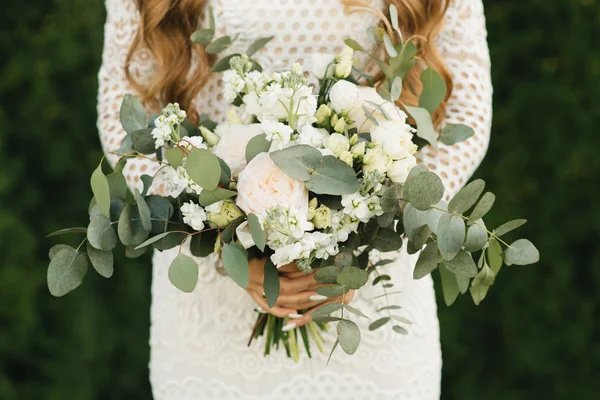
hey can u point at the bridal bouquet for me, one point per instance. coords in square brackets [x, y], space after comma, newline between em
[295, 175]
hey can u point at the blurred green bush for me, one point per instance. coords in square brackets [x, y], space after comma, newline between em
[534, 336]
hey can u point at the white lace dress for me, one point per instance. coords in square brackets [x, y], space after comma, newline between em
[198, 340]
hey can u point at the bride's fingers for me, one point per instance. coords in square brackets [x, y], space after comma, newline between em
[298, 274]
[281, 312]
[297, 285]
[306, 316]
[300, 301]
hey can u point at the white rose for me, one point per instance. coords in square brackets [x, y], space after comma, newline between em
[343, 67]
[398, 170]
[357, 114]
[376, 160]
[244, 236]
[312, 136]
[344, 95]
[262, 185]
[337, 143]
[232, 146]
[395, 137]
[322, 65]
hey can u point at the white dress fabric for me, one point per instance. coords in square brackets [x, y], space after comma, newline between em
[198, 340]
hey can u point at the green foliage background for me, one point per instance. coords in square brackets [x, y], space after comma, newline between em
[534, 336]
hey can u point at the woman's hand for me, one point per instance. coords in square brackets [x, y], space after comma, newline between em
[297, 292]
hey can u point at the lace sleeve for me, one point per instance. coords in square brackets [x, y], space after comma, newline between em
[122, 22]
[463, 44]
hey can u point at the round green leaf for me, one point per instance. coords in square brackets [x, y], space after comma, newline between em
[235, 262]
[258, 144]
[55, 249]
[204, 168]
[482, 208]
[455, 133]
[101, 234]
[130, 229]
[348, 335]
[174, 156]
[330, 291]
[102, 261]
[352, 277]
[427, 262]
[203, 245]
[425, 129]
[433, 216]
[333, 176]
[451, 235]
[183, 273]
[413, 220]
[297, 162]
[386, 240]
[522, 252]
[424, 190]
[66, 271]
[327, 275]
[133, 115]
[434, 90]
[161, 211]
[477, 236]
[202, 36]
[462, 265]
[143, 141]
[326, 309]
[466, 197]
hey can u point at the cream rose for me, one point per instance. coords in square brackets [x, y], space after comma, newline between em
[232, 145]
[396, 139]
[398, 170]
[262, 185]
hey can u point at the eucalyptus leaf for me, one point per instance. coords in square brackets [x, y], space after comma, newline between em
[223, 63]
[258, 144]
[326, 310]
[481, 284]
[332, 176]
[427, 262]
[413, 220]
[142, 141]
[434, 90]
[463, 283]
[55, 249]
[101, 191]
[401, 319]
[143, 210]
[348, 336]
[381, 278]
[117, 185]
[386, 240]
[434, 215]
[400, 330]
[379, 323]
[175, 156]
[389, 46]
[298, 162]
[203, 36]
[352, 277]
[462, 264]
[132, 114]
[344, 259]
[522, 252]
[183, 273]
[153, 239]
[330, 291]
[147, 181]
[355, 311]
[451, 235]
[102, 261]
[68, 230]
[481, 209]
[495, 255]
[392, 307]
[425, 129]
[130, 229]
[258, 44]
[66, 271]
[353, 44]
[208, 197]
[396, 88]
[509, 227]
[423, 190]
[219, 45]
[203, 168]
[466, 197]
[449, 285]
[101, 234]
[161, 211]
[477, 236]
[271, 282]
[327, 275]
[455, 133]
[235, 262]
[258, 234]
[391, 197]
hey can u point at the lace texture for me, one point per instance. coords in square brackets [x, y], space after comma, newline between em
[198, 340]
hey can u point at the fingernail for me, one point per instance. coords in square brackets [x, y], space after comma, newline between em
[288, 327]
[260, 310]
[317, 297]
[295, 316]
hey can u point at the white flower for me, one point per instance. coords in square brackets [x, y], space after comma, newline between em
[374, 205]
[343, 61]
[214, 208]
[193, 215]
[356, 206]
[162, 131]
[251, 102]
[262, 185]
[322, 65]
[358, 150]
[395, 137]
[343, 225]
[312, 136]
[298, 223]
[193, 141]
[232, 146]
[233, 84]
[398, 170]
[256, 80]
[274, 103]
[176, 181]
[287, 254]
[375, 159]
[278, 134]
[337, 143]
[324, 245]
[344, 95]
[244, 236]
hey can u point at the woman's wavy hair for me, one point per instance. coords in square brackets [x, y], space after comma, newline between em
[183, 68]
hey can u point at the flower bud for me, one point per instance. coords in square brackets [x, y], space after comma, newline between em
[233, 118]
[346, 157]
[209, 137]
[337, 144]
[322, 218]
[323, 113]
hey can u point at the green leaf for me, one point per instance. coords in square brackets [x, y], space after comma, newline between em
[402, 319]
[55, 249]
[219, 45]
[225, 179]
[130, 229]
[482, 208]
[133, 115]
[379, 323]
[117, 185]
[434, 90]
[258, 44]
[381, 278]
[455, 133]
[466, 197]
[203, 36]
[355, 311]
[425, 129]
[344, 259]
[203, 168]
[143, 210]
[333, 176]
[147, 181]
[353, 44]
[495, 255]
[66, 271]
[327, 275]
[258, 234]
[521, 252]
[102, 261]
[330, 291]
[424, 190]
[462, 265]
[386, 240]
[208, 197]
[101, 234]
[413, 220]
[477, 237]
[258, 144]
[509, 227]
[449, 285]
[223, 63]
[236, 264]
[396, 88]
[481, 284]
[183, 273]
[389, 308]
[389, 46]
[326, 310]
[348, 336]
[271, 282]
[161, 211]
[394, 17]
[352, 277]
[451, 235]
[101, 191]
[463, 283]
[143, 141]
[427, 262]
[434, 215]
[174, 156]
[324, 319]
[152, 240]
[387, 71]
[400, 330]
[297, 161]
[68, 230]
[390, 200]
[203, 245]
